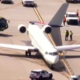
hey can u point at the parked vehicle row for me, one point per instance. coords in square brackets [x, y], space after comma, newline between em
[24, 2]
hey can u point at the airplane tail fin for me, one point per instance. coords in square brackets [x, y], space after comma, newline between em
[57, 19]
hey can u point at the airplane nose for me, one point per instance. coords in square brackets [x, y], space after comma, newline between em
[56, 59]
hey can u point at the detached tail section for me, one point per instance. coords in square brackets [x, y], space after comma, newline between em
[57, 19]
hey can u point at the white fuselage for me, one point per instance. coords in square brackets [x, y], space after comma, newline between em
[28, 2]
[40, 41]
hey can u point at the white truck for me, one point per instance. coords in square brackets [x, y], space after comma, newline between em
[28, 3]
[71, 17]
[74, 77]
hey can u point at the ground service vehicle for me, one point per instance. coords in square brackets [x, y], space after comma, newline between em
[73, 1]
[3, 24]
[74, 77]
[6, 1]
[28, 3]
[71, 18]
[40, 74]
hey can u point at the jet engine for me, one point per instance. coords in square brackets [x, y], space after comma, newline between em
[47, 29]
[22, 28]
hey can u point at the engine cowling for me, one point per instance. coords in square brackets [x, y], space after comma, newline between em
[47, 29]
[22, 28]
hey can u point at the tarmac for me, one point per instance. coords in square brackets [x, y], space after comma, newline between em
[13, 63]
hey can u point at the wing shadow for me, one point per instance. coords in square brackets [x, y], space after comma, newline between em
[21, 56]
[74, 50]
[68, 56]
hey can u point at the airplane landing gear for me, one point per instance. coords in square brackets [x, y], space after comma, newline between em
[51, 67]
[28, 53]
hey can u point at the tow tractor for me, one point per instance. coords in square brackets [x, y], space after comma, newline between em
[72, 18]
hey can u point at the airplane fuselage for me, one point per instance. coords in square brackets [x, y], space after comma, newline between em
[40, 41]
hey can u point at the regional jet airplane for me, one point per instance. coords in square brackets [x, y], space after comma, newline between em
[39, 40]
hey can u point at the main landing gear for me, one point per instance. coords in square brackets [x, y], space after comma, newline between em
[28, 53]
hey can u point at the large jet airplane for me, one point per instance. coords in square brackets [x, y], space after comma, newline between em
[39, 40]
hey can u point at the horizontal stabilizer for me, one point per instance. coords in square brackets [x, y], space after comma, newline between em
[67, 47]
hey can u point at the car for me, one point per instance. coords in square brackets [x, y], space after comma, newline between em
[74, 77]
[28, 3]
[71, 17]
[40, 74]
[6, 1]
[3, 24]
[73, 1]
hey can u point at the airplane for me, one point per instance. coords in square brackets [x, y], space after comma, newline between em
[39, 40]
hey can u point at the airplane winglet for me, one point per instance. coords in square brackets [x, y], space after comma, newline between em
[58, 17]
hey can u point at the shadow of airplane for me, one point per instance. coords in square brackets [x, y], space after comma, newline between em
[21, 56]
[56, 67]
[68, 56]
[74, 50]
[5, 35]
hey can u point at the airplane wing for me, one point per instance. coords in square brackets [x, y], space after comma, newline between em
[19, 47]
[58, 17]
[67, 47]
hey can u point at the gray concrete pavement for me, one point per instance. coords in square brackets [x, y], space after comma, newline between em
[13, 63]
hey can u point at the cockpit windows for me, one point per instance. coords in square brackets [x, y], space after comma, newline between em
[54, 53]
[46, 53]
[51, 53]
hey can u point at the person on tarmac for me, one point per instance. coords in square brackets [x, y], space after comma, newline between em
[71, 35]
[64, 20]
[66, 35]
[77, 12]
